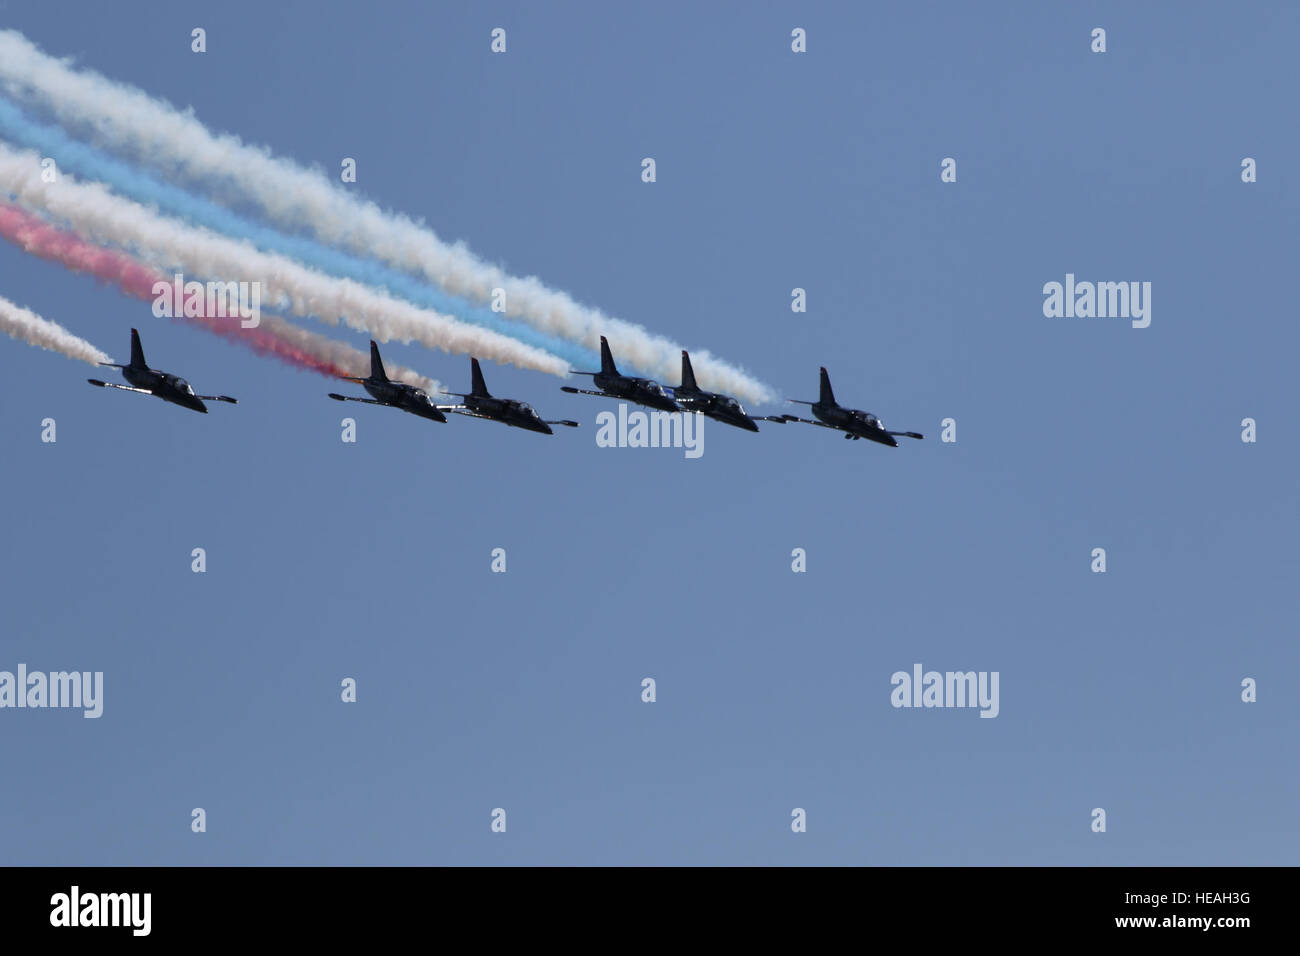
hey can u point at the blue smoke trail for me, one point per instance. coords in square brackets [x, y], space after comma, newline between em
[91, 164]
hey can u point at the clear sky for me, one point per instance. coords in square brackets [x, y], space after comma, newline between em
[522, 690]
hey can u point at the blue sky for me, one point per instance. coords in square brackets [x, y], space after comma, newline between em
[522, 690]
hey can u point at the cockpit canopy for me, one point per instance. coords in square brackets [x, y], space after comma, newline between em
[525, 408]
[730, 403]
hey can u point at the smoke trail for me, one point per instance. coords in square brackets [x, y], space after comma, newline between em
[272, 337]
[89, 163]
[91, 210]
[26, 326]
[153, 131]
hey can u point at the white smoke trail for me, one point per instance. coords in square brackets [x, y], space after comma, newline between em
[92, 211]
[273, 336]
[154, 132]
[26, 326]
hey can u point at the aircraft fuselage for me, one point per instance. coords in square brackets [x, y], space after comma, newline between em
[508, 411]
[170, 388]
[642, 391]
[720, 408]
[854, 422]
[406, 397]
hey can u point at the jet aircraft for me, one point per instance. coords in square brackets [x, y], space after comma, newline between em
[149, 381]
[613, 384]
[480, 403]
[394, 394]
[854, 423]
[722, 408]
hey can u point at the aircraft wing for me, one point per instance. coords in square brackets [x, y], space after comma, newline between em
[350, 398]
[809, 421]
[125, 388]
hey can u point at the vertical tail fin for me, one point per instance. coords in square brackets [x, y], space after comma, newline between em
[376, 363]
[827, 396]
[607, 365]
[479, 387]
[137, 353]
[688, 373]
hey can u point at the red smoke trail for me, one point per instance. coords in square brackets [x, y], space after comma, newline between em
[39, 238]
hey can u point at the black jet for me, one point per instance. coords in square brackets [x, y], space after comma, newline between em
[856, 424]
[394, 394]
[480, 403]
[721, 408]
[614, 384]
[149, 381]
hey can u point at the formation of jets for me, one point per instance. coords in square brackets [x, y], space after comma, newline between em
[480, 403]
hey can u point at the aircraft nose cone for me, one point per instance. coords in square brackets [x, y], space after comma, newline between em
[750, 424]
